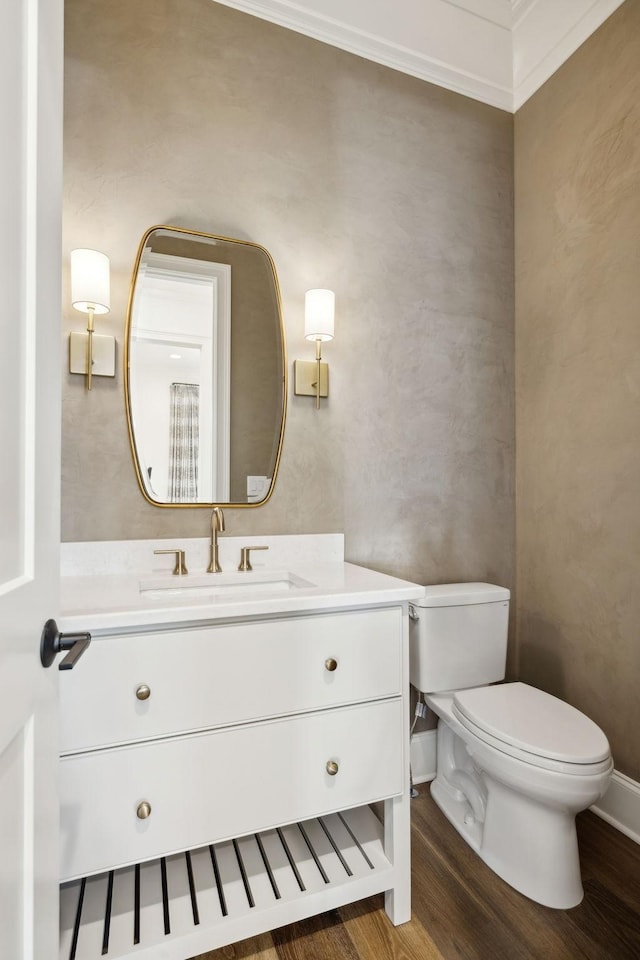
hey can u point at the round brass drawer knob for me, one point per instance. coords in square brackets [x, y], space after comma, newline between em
[143, 692]
[332, 768]
[331, 664]
[144, 810]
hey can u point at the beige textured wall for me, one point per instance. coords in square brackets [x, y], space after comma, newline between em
[395, 193]
[577, 174]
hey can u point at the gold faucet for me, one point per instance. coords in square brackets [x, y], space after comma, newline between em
[217, 526]
[245, 563]
[181, 564]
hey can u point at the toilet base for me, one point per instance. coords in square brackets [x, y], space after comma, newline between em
[533, 848]
[518, 816]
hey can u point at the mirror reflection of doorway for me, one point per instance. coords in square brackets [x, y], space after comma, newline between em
[192, 422]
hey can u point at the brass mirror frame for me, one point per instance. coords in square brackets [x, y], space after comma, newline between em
[127, 387]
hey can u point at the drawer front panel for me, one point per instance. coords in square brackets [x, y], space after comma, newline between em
[213, 786]
[200, 678]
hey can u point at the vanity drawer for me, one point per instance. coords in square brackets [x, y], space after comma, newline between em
[214, 786]
[204, 677]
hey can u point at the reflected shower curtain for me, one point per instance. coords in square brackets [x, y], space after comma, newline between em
[183, 443]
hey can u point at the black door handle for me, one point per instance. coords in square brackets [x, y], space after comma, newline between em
[53, 642]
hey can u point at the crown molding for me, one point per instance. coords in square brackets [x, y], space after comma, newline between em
[491, 86]
[546, 34]
[496, 51]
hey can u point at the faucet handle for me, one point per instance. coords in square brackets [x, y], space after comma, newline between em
[245, 563]
[181, 566]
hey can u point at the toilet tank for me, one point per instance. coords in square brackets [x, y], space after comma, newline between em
[458, 636]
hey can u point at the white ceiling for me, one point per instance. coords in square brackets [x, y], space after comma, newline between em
[497, 51]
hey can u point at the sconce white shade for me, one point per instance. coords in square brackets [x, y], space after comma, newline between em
[90, 281]
[319, 311]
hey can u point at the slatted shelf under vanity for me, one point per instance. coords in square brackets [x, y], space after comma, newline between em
[181, 905]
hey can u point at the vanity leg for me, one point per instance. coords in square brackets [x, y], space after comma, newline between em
[397, 847]
[397, 814]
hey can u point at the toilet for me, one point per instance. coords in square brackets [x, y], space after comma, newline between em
[514, 764]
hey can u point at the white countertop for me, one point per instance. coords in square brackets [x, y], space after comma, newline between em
[107, 602]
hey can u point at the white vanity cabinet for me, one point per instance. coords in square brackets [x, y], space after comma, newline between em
[216, 778]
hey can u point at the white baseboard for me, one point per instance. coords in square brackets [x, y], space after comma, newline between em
[620, 805]
[423, 756]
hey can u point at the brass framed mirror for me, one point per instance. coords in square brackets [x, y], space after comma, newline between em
[205, 370]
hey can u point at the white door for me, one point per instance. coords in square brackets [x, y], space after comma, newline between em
[30, 202]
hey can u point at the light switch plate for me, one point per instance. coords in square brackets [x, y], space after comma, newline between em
[257, 488]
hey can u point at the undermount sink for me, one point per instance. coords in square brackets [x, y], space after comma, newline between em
[202, 586]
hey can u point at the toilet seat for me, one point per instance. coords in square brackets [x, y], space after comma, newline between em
[533, 726]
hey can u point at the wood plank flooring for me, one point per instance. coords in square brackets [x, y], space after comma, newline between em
[463, 911]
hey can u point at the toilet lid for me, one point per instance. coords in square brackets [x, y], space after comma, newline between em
[533, 721]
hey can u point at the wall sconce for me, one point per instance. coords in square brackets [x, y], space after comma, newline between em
[90, 354]
[312, 379]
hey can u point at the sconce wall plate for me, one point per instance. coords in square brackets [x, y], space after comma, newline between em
[305, 376]
[103, 352]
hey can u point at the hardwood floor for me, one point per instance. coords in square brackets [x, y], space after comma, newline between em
[463, 911]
